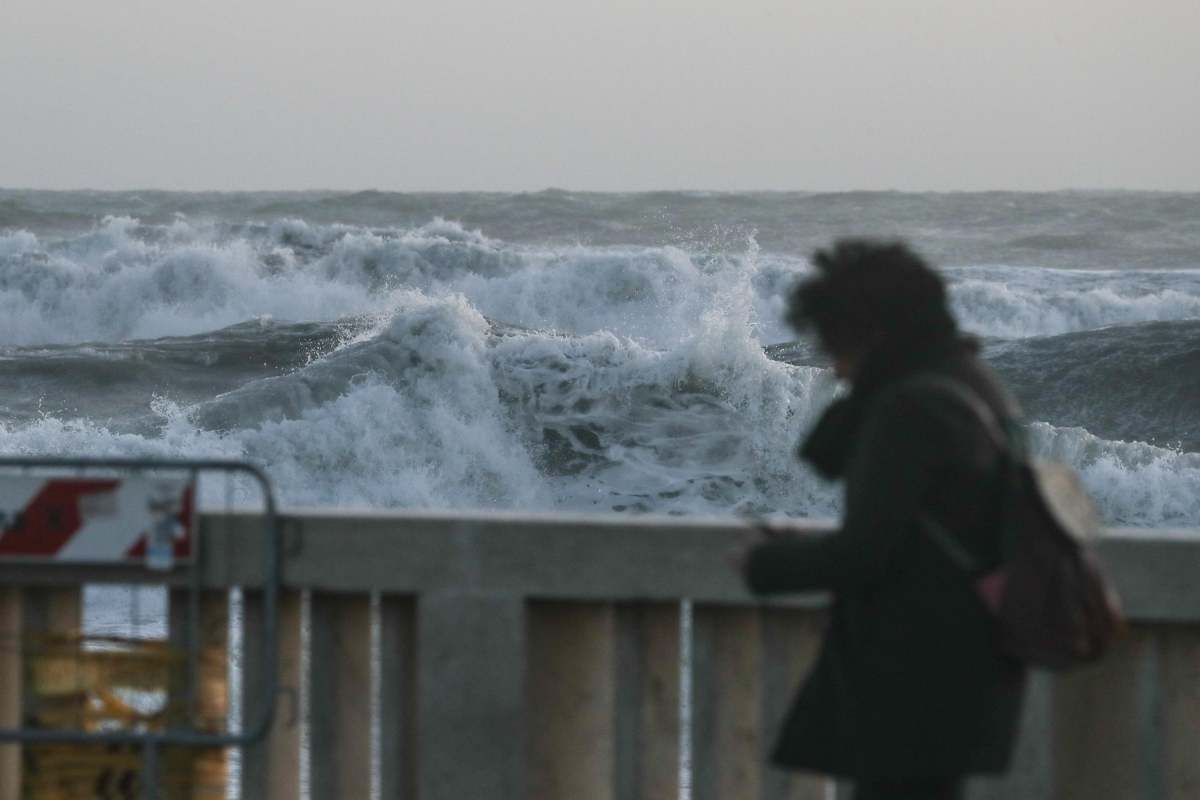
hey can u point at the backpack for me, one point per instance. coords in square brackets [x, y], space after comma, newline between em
[1052, 605]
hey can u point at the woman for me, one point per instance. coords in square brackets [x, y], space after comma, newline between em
[909, 694]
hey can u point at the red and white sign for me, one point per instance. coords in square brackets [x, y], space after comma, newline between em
[97, 520]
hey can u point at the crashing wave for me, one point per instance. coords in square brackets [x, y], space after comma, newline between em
[435, 366]
[128, 280]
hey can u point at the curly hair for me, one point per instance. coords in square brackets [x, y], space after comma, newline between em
[867, 293]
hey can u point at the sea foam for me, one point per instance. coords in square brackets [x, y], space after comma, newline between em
[126, 280]
[472, 372]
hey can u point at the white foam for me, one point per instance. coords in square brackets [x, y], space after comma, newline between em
[342, 453]
[646, 362]
[1003, 308]
[435, 435]
[708, 427]
[1133, 483]
[18, 243]
[704, 427]
[427, 413]
[110, 285]
[126, 280]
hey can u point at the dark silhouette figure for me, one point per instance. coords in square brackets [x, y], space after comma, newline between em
[910, 693]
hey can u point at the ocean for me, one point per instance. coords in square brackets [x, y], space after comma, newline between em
[569, 351]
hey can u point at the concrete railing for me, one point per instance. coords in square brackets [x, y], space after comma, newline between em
[486, 658]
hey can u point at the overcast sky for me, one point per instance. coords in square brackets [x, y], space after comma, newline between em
[612, 95]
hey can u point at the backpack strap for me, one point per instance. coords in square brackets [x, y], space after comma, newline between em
[1002, 436]
[948, 542]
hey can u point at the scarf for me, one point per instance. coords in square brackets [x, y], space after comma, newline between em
[829, 445]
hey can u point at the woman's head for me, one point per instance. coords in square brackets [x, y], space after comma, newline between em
[869, 294]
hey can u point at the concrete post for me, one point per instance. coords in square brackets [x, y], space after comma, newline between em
[1031, 776]
[470, 697]
[53, 611]
[1180, 681]
[791, 641]
[729, 746]
[1104, 739]
[271, 767]
[212, 706]
[340, 696]
[647, 746]
[397, 698]
[46, 612]
[572, 698]
[11, 689]
[208, 709]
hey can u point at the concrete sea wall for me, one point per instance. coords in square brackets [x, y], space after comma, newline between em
[465, 656]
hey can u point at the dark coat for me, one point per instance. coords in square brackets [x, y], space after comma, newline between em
[909, 682]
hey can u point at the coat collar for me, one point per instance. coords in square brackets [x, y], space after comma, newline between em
[828, 446]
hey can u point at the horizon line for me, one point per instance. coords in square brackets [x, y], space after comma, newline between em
[561, 190]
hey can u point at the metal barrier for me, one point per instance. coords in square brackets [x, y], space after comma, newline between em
[122, 521]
